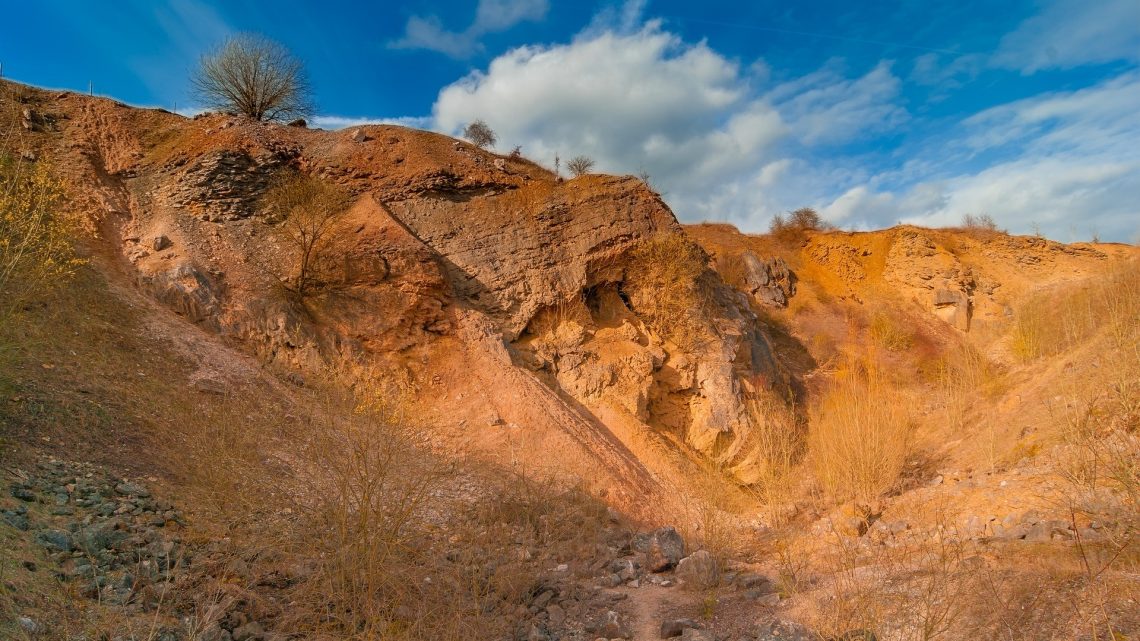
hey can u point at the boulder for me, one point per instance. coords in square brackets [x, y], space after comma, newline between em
[953, 306]
[56, 540]
[698, 571]
[783, 631]
[771, 282]
[676, 627]
[664, 549]
[611, 625]
[132, 489]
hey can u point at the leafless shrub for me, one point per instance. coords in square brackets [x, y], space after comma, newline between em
[979, 222]
[254, 76]
[793, 227]
[310, 210]
[480, 134]
[860, 435]
[580, 165]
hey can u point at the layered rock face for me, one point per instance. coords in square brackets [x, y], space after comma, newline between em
[444, 242]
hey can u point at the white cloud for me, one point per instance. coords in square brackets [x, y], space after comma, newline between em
[696, 121]
[825, 107]
[646, 99]
[342, 122]
[491, 16]
[1071, 33]
[624, 19]
[937, 70]
[1066, 162]
[724, 143]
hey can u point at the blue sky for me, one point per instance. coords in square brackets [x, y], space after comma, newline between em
[906, 111]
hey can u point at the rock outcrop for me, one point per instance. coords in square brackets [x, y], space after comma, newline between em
[447, 250]
[769, 282]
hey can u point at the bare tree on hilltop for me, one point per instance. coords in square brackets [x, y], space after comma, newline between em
[580, 165]
[480, 134]
[254, 76]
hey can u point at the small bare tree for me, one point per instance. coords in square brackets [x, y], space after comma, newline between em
[254, 76]
[580, 165]
[480, 134]
[310, 210]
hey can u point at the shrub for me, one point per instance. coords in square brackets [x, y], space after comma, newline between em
[777, 440]
[310, 210]
[36, 236]
[580, 165]
[859, 436]
[979, 226]
[256, 77]
[807, 218]
[663, 274]
[480, 134]
[980, 222]
[732, 269]
[793, 228]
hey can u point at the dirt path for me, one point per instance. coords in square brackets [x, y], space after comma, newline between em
[651, 604]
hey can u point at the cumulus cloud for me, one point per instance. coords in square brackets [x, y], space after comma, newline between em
[698, 122]
[724, 141]
[1065, 162]
[1070, 33]
[642, 100]
[491, 16]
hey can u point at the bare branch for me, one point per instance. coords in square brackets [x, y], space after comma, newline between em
[254, 76]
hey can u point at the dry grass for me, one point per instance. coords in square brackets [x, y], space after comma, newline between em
[776, 444]
[1052, 322]
[859, 436]
[1099, 461]
[967, 379]
[891, 332]
[732, 269]
[664, 278]
[336, 491]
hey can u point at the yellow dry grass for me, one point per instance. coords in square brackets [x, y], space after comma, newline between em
[1053, 321]
[860, 435]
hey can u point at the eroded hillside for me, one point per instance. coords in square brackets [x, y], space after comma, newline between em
[506, 382]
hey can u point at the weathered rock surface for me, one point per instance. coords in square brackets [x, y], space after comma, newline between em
[447, 247]
[698, 571]
[663, 548]
[771, 282]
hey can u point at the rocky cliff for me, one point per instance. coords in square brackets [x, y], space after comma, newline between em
[447, 250]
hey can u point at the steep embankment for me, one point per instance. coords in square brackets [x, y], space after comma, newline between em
[504, 291]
